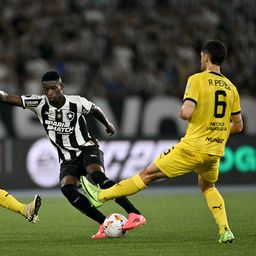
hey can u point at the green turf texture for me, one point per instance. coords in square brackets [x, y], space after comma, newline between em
[178, 224]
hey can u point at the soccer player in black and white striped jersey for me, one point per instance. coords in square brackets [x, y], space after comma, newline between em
[63, 119]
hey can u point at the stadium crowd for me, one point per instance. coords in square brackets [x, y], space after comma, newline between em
[117, 48]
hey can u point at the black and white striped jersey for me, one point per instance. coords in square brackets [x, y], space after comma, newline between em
[66, 127]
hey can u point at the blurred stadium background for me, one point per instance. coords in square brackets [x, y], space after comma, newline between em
[132, 58]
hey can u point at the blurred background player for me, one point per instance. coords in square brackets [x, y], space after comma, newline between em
[29, 211]
[212, 108]
[63, 119]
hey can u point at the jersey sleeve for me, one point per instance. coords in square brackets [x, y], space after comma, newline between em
[86, 105]
[192, 90]
[31, 101]
[236, 109]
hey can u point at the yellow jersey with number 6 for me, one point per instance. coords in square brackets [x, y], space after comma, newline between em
[216, 99]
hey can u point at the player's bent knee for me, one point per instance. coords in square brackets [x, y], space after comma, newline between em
[204, 184]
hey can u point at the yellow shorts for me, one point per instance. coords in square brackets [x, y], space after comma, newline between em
[178, 161]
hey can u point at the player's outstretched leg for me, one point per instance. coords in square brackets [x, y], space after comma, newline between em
[126, 187]
[31, 210]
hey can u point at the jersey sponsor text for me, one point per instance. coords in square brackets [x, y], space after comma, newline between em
[60, 127]
[217, 140]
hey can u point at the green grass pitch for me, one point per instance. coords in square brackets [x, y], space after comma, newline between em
[178, 224]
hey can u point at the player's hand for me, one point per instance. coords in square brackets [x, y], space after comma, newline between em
[3, 93]
[110, 129]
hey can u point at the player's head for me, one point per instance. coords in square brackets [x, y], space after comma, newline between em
[51, 76]
[214, 51]
[52, 86]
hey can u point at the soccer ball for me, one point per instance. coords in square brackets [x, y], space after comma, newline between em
[113, 225]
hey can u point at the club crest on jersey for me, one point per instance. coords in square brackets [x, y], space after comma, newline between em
[70, 115]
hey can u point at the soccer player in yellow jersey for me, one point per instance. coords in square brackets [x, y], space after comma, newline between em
[29, 211]
[212, 108]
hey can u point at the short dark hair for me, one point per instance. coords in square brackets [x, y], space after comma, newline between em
[217, 51]
[51, 76]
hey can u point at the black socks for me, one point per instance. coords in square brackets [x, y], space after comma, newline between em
[81, 202]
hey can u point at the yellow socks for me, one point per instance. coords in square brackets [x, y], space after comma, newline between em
[217, 207]
[9, 202]
[123, 188]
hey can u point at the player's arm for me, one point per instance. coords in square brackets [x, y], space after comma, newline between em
[100, 116]
[12, 100]
[187, 109]
[236, 124]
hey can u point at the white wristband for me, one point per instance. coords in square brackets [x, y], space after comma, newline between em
[3, 93]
